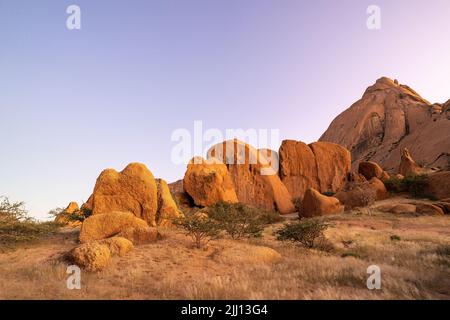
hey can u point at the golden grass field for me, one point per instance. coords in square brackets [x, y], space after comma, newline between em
[415, 264]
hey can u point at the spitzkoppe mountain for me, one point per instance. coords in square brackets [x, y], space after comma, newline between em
[388, 118]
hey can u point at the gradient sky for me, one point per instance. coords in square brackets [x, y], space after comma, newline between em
[75, 102]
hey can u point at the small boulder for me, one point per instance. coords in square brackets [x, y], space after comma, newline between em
[370, 170]
[118, 246]
[316, 204]
[379, 187]
[209, 182]
[398, 208]
[429, 209]
[102, 226]
[93, 256]
[140, 234]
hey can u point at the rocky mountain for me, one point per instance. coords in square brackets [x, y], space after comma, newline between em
[388, 118]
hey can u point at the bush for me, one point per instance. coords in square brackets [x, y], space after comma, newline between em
[199, 227]
[240, 220]
[16, 226]
[394, 185]
[415, 185]
[305, 232]
[79, 215]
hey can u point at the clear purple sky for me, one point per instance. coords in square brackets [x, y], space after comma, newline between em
[75, 102]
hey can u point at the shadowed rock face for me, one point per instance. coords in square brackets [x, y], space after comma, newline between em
[388, 118]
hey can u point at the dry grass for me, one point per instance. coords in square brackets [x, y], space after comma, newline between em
[415, 264]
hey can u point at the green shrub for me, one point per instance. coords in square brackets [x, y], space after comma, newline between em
[305, 232]
[394, 185]
[328, 193]
[415, 185]
[240, 220]
[16, 226]
[199, 227]
[395, 238]
[79, 215]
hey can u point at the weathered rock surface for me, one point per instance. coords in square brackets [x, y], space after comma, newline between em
[209, 182]
[132, 190]
[93, 256]
[321, 165]
[118, 246]
[388, 118]
[429, 209]
[102, 226]
[399, 208]
[439, 185]
[254, 174]
[140, 234]
[315, 204]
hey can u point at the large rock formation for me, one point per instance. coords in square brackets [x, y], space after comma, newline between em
[315, 204]
[320, 165]
[388, 118]
[209, 182]
[409, 167]
[132, 190]
[254, 174]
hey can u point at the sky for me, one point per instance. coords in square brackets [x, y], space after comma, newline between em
[74, 102]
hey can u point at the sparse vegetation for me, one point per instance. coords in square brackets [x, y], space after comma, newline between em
[199, 227]
[240, 220]
[395, 237]
[17, 227]
[305, 232]
[78, 215]
[415, 185]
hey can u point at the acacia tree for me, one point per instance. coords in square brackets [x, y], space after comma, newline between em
[199, 227]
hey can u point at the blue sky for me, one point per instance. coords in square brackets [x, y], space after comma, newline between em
[73, 102]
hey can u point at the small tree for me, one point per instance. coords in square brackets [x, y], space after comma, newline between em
[14, 211]
[199, 227]
[305, 232]
[16, 226]
[239, 220]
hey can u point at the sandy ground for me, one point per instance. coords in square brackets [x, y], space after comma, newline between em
[415, 265]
